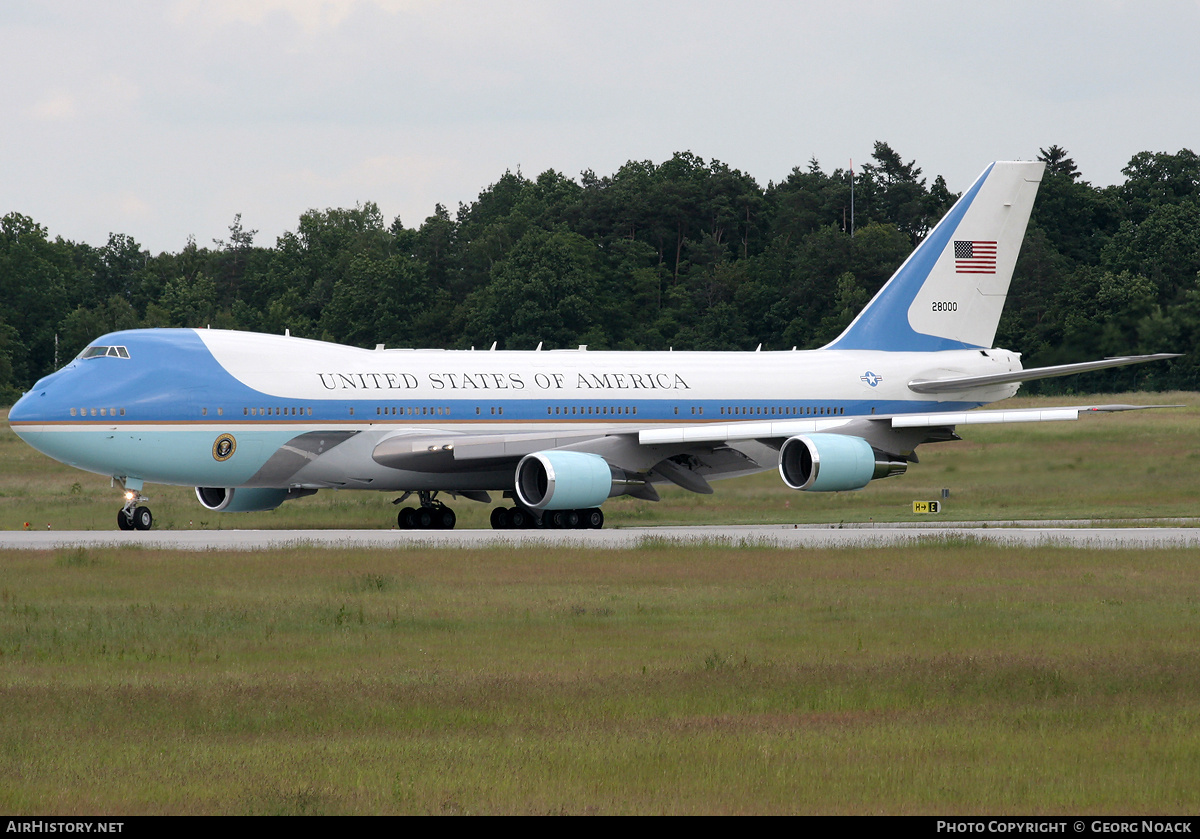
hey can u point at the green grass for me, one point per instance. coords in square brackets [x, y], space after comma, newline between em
[938, 678]
[1121, 466]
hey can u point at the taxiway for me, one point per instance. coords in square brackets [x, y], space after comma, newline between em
[783, 536]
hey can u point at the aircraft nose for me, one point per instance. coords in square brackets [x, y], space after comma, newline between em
[23, 409]
[40, 402]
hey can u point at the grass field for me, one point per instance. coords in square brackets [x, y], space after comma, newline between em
[1114, 466]
[945, 677]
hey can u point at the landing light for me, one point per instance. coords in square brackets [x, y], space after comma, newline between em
[129, 496]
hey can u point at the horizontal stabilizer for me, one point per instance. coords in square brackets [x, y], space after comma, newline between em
[968, 382]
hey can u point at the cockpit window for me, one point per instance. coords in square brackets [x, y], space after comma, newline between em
[112, 352]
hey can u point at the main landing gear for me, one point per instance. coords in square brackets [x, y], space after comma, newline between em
[133, 516]
[431, 515]
[434, 515]
[519, 518]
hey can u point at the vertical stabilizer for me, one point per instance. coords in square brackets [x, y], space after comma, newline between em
[949, 293]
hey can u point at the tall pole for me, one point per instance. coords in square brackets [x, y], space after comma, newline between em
[852, 198]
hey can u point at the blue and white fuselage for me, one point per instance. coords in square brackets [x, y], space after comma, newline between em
[156, 414]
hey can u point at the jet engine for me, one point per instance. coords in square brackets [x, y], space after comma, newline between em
[833, 462]
[564, 480]
[246, 499]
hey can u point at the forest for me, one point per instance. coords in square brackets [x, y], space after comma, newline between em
[684, 254]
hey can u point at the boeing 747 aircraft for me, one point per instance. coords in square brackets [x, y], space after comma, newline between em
[254, 420]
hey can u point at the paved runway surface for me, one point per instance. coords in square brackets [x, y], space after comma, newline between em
[805, 536]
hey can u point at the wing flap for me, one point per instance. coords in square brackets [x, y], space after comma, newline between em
[721, 432]
[983, 417]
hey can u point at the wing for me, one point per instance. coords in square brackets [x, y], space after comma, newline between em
[686, 464]
[690, 455]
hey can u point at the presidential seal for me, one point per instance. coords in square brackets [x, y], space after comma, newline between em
[224, 447]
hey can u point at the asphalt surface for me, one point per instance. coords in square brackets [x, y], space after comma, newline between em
[1074, 534]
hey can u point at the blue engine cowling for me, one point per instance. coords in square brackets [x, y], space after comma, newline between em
[833, 462]
[246, 499]
[558, 480]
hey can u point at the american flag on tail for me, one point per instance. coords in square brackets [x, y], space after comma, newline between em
[972, 257]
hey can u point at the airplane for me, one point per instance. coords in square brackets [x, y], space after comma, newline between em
[253, 420]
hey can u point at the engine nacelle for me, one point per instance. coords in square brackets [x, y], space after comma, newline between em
[246, 499]
[833, 462]
[557, 480]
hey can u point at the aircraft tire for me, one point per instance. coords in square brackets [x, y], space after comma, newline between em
[124, 522]
[424, 518]
[142, 518]
[574, 520]
[405, 518]
[499, 518]
[518, 519]
[444, 519]
[593, 518]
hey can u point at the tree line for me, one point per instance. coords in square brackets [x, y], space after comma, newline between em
[685, 254]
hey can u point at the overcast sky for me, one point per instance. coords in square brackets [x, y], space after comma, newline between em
[164, 119]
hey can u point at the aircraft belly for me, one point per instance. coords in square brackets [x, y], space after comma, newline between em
[183, 457]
